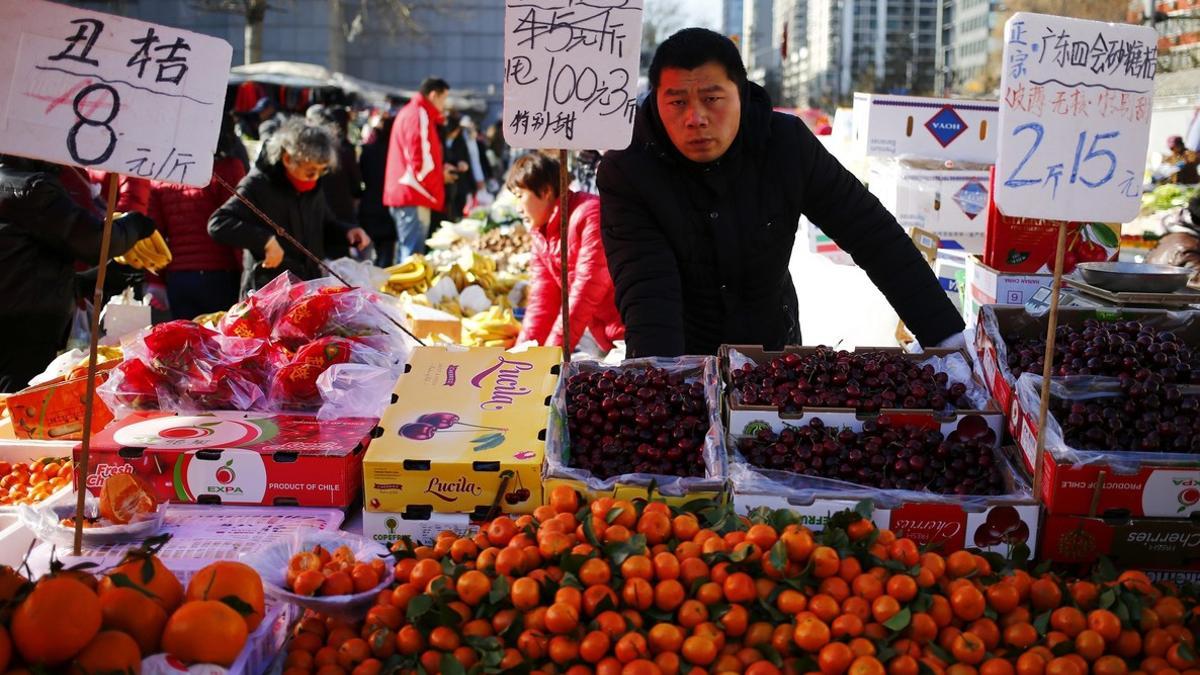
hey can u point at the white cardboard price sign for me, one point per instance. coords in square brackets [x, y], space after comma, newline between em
[570, 73]
[102, 91]
[1075, 102]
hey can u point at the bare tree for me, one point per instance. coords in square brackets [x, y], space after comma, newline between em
[660, 18]
[349, 17]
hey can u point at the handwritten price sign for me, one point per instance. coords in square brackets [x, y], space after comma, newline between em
[102, 91]
[1074, 118]
[570, 73]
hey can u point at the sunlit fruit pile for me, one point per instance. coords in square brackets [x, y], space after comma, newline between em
[637, 420]
[1108, 348]
[865, 381]
[33, 481]
[319, 572]
[72, 621]
[885, 455]
[616, 587]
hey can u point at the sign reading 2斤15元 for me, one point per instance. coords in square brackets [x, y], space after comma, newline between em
[102, 91]
[570, 73]
[1075, 102]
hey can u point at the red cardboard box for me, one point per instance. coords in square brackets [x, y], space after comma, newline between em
[1159, 543]
[738, 416]
[236, 457]
[54, 411]
[1168, 487]
[1028, 244]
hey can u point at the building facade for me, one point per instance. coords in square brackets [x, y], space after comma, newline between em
[791, 34]
[971, 43]
[760, 52]
[461, 41]
[731, 19]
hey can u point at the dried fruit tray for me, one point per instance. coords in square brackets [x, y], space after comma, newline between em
[1102, 483]
[1001, 324]
[13, 451]
[675, 489]
[740, 417]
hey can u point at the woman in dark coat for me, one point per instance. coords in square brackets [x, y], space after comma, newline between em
[373, 216]
[283, 185]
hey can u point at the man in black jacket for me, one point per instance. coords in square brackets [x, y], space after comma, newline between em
[43, 233]
[700, 213]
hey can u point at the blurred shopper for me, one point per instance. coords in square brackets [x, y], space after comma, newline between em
[373, 216]
[204, 276]
[1183, 161]
[415, 181]
[43, 233]
[343, 185]
[533, 179]
[284, 186]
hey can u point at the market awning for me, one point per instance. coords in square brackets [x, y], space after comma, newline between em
[311, 75]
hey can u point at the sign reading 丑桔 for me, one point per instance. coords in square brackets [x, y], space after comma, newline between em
[570, 73]
[106, 92]
[1075, 102]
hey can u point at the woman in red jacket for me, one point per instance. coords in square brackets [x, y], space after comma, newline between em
[203, 276]
[534, 180]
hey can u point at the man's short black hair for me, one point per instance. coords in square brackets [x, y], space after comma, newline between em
[433, 84]
[693, 47]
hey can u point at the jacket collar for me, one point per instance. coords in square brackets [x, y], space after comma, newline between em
[553, 222]
[435, 116]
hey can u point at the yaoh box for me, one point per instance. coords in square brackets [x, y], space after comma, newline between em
[235, 457]
[466, 427]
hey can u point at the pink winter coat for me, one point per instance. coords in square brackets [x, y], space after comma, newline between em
[592, 304]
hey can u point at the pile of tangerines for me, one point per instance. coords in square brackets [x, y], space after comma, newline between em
[639, 588]
[74, 621]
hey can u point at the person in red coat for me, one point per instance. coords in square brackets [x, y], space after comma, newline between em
[534, 180]
[203, 276]
[415, 182]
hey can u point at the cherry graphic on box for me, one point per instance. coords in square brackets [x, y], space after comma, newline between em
[1003, 526]
[520, 494]
[427, 426]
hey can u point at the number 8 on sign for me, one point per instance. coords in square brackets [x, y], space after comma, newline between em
[96, 132]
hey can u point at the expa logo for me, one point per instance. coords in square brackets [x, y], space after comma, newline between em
[946, 125]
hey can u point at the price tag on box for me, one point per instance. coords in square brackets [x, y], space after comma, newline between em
[570, 73]
[1074, 118]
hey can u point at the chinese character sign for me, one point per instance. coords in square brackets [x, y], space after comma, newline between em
[1075, 100]
[102, 91]
[570, 73]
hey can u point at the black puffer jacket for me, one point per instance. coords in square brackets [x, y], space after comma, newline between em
[699, 253]
[304, 215]
[43, 233]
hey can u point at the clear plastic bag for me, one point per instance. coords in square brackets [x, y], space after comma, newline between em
[558, 443]
[294, 386]
[256, 315]
[803, 489]
[271, 564]
[46, 523]
[355, 390]
[1082, 388]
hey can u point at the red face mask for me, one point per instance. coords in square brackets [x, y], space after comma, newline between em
[301, 185]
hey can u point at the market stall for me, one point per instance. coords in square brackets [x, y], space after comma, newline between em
[363, 473]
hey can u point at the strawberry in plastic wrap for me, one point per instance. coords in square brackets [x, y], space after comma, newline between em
[231, 387]
[179, 346]
[295, 385]
[332, 310]
[134, 385]
[256, 315]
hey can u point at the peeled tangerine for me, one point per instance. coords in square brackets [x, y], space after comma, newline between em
[124, 496]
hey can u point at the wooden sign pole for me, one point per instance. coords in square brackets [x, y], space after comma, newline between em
[1048, 366]
[89, 400]
[564, 186]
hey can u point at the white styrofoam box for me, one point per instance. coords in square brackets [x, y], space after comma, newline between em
[948, 201]
[934, 128]
[987, 286]
[424, 528]
[23, 450]
[15, 539]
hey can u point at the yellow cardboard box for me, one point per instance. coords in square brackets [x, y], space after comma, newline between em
[464, 422]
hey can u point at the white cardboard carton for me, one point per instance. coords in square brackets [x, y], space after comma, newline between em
[987, 286]
[933, 128]
[947, 201]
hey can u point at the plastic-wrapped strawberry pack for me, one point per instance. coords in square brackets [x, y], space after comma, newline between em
[270, 353]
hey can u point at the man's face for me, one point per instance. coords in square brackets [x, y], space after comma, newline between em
[439, 99]
[701, 110]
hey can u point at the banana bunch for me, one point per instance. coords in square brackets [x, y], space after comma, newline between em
[494, 328]
[104, 353]
[413, 275]
[210, 320]
[150, 254]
